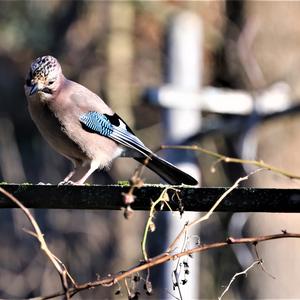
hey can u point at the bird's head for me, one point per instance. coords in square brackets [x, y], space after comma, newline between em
[44, 76]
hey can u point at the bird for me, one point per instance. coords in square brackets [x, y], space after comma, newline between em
[80, 126]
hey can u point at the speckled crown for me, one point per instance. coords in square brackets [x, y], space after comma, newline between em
[43, 66]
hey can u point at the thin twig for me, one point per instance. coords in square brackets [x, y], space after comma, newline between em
[262, 265]
[227, 159]
[127, 288]
[209, 213]
[176, 276]
[163, 198]
[172, 295]
[57, 263]
[257, 262]
[175, 272]
[164, 257]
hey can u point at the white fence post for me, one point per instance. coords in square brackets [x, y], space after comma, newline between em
[184, 71]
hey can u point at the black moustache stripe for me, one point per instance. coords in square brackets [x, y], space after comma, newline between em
[47, 91]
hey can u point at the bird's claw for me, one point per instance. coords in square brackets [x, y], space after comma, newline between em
[68, 182]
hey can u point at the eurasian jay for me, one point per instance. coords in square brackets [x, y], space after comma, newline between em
[80, 126]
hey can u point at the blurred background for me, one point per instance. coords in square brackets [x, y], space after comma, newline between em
[249, 51]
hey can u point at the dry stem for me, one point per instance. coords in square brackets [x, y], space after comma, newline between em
[163, 198]
[209, 213]
[221, 157]
[59, 266]
[257, 262]
[164, 257]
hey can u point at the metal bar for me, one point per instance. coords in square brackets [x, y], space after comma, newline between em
[192, 199]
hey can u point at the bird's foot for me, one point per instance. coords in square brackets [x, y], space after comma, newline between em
[68, 182]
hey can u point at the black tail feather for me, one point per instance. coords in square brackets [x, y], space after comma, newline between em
[167, 171]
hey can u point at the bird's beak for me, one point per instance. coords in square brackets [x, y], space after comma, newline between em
[34, 89]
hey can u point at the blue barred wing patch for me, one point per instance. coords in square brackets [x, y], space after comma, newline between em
[101, 124]
[97, 122]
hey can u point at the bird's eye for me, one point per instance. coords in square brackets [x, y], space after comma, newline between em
[51, 82]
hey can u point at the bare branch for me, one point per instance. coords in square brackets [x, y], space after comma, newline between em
[162, 199]
[257, 262]
[59, 266]
[262, 265]
[226, 159]
[164, 257]
[209, 213]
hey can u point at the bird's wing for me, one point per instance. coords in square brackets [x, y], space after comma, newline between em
[113, 127]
